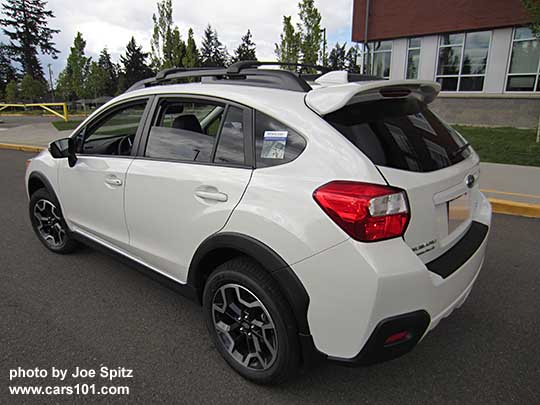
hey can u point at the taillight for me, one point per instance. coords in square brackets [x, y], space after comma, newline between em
[367, 212]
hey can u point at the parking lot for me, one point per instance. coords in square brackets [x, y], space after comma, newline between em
[87, 310]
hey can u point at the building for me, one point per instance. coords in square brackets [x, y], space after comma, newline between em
[481, 52]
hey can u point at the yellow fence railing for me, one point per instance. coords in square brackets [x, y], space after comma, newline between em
[45, 106]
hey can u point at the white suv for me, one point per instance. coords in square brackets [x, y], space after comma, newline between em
[337, 219]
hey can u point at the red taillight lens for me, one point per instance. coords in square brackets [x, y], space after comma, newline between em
[367, 212]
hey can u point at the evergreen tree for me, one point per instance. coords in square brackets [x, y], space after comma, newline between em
[71, 81]
[32, 90]
[213, 52]
[7, 71]
[352, 59]
[167, 47]
[191, 58]
[310, 33]
[337, 57]
[12, 92]
[246, 49]
[96, 83]
[109, 71]
[25, 23]
[288, 49]
[175, 50]
[134, 67]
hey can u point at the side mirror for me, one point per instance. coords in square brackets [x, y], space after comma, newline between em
[64, 148]
[72, 156]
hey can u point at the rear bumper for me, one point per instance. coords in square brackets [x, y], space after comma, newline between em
[357, 290]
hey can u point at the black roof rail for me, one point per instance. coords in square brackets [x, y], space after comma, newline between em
[238, 66]
[246, 73]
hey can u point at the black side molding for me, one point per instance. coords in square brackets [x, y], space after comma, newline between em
[446, 264]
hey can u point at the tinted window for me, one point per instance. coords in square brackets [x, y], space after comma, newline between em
[115, 134]
[230, 147]
[275, 143]
[185, 131]
[403, 134]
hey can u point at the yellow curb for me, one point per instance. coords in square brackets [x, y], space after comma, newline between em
[515, 208]
[508, 193]
[23, 148]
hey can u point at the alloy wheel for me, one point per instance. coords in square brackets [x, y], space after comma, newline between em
[49, 223]
[244, 327]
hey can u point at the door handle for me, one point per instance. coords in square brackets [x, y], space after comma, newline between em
[113, 181]
[212, 195]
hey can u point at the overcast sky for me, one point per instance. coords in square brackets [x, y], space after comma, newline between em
[112, 23]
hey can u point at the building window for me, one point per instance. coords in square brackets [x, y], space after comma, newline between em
[379, 57]
[523, 69]
[413, 57]
[463, 60]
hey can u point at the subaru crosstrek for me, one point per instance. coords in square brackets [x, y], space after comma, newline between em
[328, 217]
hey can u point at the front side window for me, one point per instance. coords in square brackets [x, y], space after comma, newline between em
[275, 142]
[463, 60]
[524, 62]
[114, 134]
[185, 130]
[413, 57]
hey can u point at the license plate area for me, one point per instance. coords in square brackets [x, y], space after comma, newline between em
[459, 211]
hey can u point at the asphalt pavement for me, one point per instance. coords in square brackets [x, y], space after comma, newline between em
[87, 309]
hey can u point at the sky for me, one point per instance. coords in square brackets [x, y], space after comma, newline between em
[111, 23]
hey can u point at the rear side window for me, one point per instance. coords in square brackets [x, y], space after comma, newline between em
[185, 130]
[275, 142]
[230, 148]
[402, 134]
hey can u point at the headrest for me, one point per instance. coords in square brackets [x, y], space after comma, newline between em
[188, 122]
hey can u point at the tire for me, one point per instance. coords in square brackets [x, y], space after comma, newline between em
[48, 223]
[269, 321]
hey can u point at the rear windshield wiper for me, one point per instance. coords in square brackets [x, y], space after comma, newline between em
[460, 149]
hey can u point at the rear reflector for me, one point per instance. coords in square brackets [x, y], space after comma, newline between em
[397, 337]
[367, 212]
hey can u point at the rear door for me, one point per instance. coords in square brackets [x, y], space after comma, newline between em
[415, 151]
[191, 172]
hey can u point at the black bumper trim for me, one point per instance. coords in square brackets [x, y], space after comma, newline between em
[375, 350]
[446, 264]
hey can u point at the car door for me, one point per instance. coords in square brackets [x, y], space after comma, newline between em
[92, 191]
[191, 173]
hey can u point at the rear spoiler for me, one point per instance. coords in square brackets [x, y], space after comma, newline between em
[325, 100]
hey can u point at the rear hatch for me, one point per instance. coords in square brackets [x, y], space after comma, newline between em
[414, 150]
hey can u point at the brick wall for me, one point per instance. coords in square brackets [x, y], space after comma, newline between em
[405, 18]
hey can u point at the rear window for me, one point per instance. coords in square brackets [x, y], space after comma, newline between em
[402, 134]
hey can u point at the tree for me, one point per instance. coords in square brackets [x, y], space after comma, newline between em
[310, 33]
[167, 47]
[96, 83]
[337, 57]
[246, 49]
[134, 67]
[352, 59]
[533, 8]
[191, 58]
[109, 72]
[12, 92]
[25, 23]
[31, 89]
[71, 81]
[213, 52]
[7, 71]
[288, 49]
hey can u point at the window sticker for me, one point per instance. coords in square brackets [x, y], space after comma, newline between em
[274, 143]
